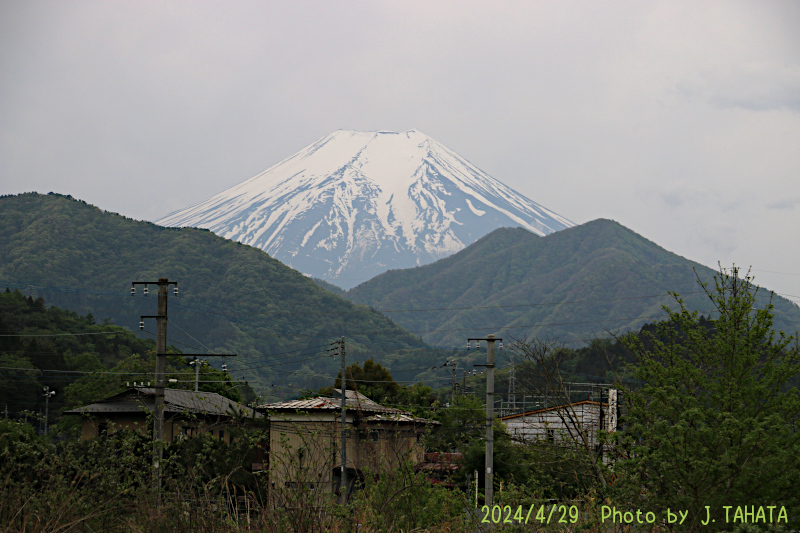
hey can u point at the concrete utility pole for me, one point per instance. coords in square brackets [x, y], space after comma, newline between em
[454, 364]
[197, 363]
[47, 394]
[343, 389]
[489, 460]
[161, 366]
[512, 385]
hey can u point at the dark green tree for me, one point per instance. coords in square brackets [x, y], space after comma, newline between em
[372, 380]
[714, 423]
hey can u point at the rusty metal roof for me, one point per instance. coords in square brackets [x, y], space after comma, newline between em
[402, 418]
[353, 401]
[319, 402]
[329, 404]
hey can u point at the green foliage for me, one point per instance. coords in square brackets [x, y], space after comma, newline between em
[463, 423]
[403, 500]
[376, 383]
[13, 432]
[372, 380]
[48, 346]
[105, 484]
[714, 421]
[417, 399]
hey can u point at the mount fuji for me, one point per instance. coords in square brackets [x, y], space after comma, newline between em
[355, 204]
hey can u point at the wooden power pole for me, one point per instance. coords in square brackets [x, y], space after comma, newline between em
[161, 366]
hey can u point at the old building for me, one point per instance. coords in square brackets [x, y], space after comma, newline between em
[186, 413]
[305, 440]
[564, 424]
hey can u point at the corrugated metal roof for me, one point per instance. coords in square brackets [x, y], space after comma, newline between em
[110, 407]
[140, 399]
[354, 401]
[402, 418]
[553, 408]
[353, 395]
[310, 403]
[330, 404]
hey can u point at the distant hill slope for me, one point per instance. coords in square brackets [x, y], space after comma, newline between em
[567, 285]
[233, 298]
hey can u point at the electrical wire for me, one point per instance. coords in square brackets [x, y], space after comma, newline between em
[61, 334]
[189, 335]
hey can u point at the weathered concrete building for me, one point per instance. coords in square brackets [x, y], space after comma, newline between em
[305, 440]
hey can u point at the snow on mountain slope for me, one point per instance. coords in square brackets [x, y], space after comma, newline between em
[355, 204]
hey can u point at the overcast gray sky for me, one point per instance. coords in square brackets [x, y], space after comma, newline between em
[680, 120]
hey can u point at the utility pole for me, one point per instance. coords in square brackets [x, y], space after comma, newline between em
[47, 394]
[512, 385]
[343, 389]
[489, 460]
[161, 365]
[197, 363]
[454, 385]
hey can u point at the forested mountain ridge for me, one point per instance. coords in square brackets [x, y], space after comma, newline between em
[569, 285]
[233, 298]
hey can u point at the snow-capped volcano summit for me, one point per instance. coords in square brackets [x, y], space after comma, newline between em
[355, 204]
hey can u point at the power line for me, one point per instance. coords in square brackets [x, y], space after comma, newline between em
[63, 334]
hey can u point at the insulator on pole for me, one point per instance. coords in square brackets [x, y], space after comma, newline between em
[141, 324]
[133, 291]
[175, 292]
[145, 290]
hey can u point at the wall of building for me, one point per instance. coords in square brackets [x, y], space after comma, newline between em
[173, 428]
[557, 425]
[306, 449]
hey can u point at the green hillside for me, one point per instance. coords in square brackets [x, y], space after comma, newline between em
[570, 285]
[232, 298]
